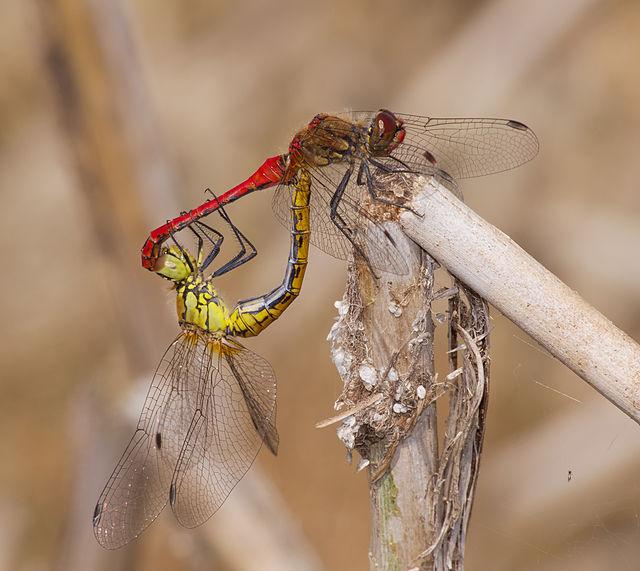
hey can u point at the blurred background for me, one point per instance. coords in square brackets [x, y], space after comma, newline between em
[115, 116]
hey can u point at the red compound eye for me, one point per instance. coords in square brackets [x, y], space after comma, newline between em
[385, 122]
[385, 133]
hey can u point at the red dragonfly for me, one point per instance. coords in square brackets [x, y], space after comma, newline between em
[346, 155]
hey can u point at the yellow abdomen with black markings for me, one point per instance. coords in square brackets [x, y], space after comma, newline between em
[251, 316]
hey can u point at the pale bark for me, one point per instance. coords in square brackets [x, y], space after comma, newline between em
[421, 493]
[495, 267]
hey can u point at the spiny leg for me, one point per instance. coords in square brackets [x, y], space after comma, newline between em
[385, 168]
[185, 256]
[405, 168]
[372, 191]
[247, 249]
[339, 222]
[201, 232]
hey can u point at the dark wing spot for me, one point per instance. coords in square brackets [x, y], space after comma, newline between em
[429, 156]
[158, 440]
[97, 514]
[172, 495]
[517, 125]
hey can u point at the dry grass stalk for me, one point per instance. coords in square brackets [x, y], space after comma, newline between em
[488, 261]
[383, 344]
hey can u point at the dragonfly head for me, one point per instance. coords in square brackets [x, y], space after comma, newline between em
[385, 133]
[174, 264]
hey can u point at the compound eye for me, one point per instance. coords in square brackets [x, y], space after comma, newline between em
[385, 133]
[385, 122]
[172, 267]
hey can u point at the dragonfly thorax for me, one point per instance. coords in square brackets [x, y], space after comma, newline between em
[332, 139]
[327, 139]
[198, 304]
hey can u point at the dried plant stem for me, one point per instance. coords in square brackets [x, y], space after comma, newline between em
[403, 513]
[501, 272]
[420, 496]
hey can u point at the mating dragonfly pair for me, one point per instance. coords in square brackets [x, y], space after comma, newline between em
[211, 404]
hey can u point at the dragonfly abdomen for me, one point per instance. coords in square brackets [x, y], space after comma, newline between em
[251, 316]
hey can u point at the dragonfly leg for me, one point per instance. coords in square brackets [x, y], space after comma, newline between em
[203, 231]
[247, 249]
[404, 167]
[372, 190]
[339, 222]
[213, 236]
[185, 256]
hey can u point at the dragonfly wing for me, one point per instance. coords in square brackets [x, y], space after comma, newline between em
[465, 148]
[138, 489]
[235, 414]
[257, 383]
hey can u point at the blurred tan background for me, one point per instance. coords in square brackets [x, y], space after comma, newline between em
[197, 94]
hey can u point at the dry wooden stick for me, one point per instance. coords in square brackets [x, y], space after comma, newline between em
[495, 267]
[382, 347]
[382, 343]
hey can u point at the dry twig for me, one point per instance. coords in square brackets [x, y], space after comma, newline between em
[421, 494]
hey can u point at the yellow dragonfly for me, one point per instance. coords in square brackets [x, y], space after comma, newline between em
[212, 401]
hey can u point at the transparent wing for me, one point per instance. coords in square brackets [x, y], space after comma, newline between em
[235, 413]
[138, 489]
[466, 147]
